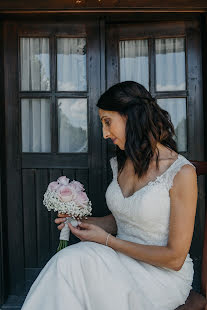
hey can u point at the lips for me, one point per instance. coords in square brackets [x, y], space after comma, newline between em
[113, 140]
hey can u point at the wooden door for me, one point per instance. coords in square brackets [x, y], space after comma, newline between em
[31, 162]
[166, 58]
[52, 84]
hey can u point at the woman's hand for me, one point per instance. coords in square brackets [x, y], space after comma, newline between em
[89, 232]
[62, 218]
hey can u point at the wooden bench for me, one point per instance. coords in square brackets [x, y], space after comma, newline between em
[197, 301]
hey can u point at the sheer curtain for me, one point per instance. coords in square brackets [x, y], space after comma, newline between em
[71, 64]
[72, 113]
[36, 135]
[72, 125]
[35, 76]
[134, 63]
[71, 76]
[177, 109]
[170, 64]
[35, 67]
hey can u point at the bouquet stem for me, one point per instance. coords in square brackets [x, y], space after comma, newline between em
[65, 233]
[63, 244]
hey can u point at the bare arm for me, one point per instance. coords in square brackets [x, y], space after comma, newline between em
[108, 223]
[183, 197]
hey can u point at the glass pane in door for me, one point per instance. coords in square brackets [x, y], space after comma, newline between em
[134, 63]
[177, 109]
[36, 133]
[35, 64]
[71, 64]
[170, 64]
[72, 125]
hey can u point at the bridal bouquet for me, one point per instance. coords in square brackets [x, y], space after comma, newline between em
[69, 198]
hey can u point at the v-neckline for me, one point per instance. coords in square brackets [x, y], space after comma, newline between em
[146, 185]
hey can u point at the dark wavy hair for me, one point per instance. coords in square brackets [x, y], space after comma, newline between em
[146, 125]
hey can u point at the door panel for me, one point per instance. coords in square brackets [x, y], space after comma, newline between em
[166, 58]
[53, 129]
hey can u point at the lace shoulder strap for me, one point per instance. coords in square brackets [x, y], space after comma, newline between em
[114, 166]
[167, 177]
[174, 169]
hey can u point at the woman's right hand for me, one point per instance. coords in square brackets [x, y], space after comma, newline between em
[61, 219]
[108, 222]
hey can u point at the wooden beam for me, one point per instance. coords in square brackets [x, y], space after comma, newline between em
[50, 6]
[2, 178]
[14, 220]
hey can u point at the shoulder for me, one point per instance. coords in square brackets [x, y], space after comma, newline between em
[113, 163]
[184, 192]
[185, 169]
[186, 173]
[113, 160]
[186, 177]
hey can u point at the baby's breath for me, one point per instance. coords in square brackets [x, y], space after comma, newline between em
[52, 201]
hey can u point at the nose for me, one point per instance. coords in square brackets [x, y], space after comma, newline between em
[106, 133]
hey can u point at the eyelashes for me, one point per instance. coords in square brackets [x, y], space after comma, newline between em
[107, 123]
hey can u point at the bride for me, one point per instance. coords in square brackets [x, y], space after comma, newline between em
[138, 256]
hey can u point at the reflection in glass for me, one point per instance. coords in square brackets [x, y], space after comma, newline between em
[170, 64]
[134, 61]
[36, 135]
[71, 64]
[177, 109]
[72, 125]
[35, 67]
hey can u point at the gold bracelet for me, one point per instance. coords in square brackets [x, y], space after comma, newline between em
[107, 239]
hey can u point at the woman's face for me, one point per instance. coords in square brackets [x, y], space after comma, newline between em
[114, 125]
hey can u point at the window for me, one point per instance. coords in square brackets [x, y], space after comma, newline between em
[63, 93]
[166, 58]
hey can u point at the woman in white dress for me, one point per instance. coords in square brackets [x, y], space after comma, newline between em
[138, 256]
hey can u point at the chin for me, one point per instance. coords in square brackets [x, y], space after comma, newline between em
[121, 148]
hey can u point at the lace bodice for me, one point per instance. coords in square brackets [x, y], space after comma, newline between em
[144, 216]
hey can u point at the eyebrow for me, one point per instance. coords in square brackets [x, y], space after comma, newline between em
[103, 116]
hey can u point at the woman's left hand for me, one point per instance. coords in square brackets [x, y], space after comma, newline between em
[89, 232]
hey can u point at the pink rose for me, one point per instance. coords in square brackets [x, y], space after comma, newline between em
[81, 198]
[63, 180]
[66, 194]
[76, 186]
[53, 186]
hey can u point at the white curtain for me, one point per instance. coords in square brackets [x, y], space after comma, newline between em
[170, 64]
[177, 109]
[35, 67]
[134, 63]
[71, 64]
[36, 135]
[72, 125]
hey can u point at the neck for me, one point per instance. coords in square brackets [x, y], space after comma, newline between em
[163, 152]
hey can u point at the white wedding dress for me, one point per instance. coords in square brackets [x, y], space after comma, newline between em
[91, 276]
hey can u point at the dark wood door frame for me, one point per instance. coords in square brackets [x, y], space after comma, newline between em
[13, 163]
[102, 5]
